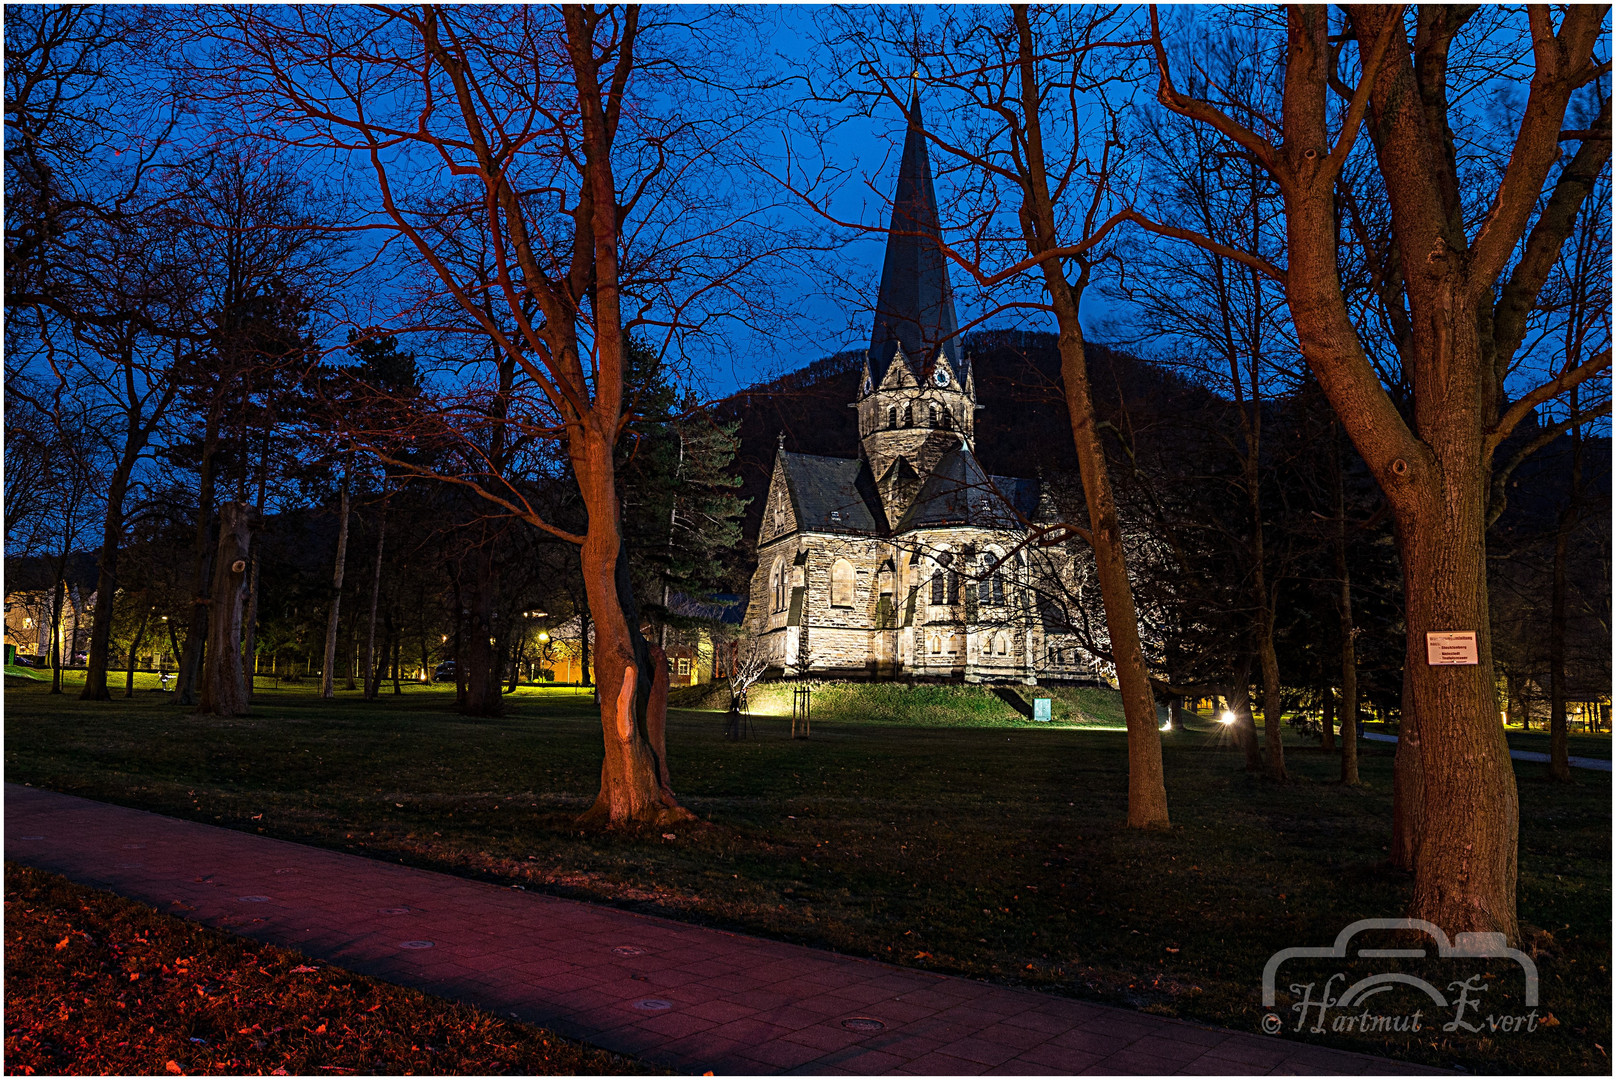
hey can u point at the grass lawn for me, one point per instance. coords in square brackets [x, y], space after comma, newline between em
[992, 849]
[99, 984]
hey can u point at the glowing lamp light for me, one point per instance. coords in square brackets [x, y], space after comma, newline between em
[544, 635]
[1227, 718]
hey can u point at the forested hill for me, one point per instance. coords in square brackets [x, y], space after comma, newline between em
[1022, 428]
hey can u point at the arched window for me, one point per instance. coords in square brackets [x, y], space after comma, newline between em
[909, 416]
[1001, 644]
[936, 644]
[841, 584]
[777, 581]
[892, 417]
[932, 417]
[956, 644]
[938, 586]
[953, 586]
[948, 418]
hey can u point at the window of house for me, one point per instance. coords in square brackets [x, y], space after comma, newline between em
[892, 417]
[778, 581]
[936, 644]
[841, 584]
[670, 665]
[932, 417]
[684, 665]
[1001, 645]
[956, 644]
[953, 586]
[908, 416]
[938, 585]
[948, 418]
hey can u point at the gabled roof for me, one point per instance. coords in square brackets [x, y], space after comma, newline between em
[832, 494]
[959, 492]
[915, 307]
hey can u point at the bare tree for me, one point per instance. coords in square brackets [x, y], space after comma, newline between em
[1011, 79]
[1465, 295]
[549, 134]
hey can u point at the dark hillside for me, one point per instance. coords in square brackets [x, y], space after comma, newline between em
[1022, 428]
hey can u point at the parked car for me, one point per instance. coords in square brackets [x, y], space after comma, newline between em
[445, 672]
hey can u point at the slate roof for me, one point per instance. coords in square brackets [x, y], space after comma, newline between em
[960, 492]
[832, 494]
[915, 306]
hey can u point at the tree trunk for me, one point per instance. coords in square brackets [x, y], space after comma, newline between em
[224, 691]
[134, 653]
[249, 626]
[1147, 790]
[481, 651]
[634, 783]
[1273, 700]
[372, 673]
[328, 688]
[1175, 713]
[587, 674]
[106, 585]
[398, 661]
[1465, 859]
[58, 602]
[1559, 761]
[350, 654]
[1245, 725]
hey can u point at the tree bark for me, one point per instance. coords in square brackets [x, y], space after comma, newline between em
[1327, 719]
[249, 627]
[134, 652]
[328, 687]
[58, 602]
[224, 691]
[1245, 725]
[372, 673]
[106, 584]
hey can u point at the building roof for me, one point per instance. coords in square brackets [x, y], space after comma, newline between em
[915, 307]
[832, 494]
[960, 492]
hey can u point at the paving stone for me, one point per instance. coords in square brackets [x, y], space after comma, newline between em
[740, 1005]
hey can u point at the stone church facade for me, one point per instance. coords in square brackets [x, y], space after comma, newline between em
[909, 560]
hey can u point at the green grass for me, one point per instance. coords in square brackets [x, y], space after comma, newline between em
[987, 846]
[918, 704]
[17, 671]
[99, 984]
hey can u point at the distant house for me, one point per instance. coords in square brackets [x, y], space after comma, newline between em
[29, 617]
[702, 647]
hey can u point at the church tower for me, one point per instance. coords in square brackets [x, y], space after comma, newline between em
[917, 397]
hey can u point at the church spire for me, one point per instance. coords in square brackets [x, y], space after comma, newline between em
[915, 308]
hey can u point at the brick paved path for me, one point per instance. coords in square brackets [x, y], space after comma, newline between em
[682, 996]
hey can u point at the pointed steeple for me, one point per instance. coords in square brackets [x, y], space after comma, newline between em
[915, 307]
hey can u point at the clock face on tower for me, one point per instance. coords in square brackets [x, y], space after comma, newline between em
[940, 378]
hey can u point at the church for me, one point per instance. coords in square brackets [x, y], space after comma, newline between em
[910, 560]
